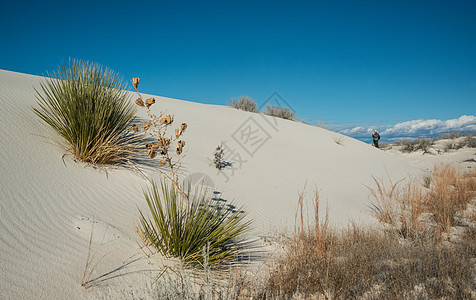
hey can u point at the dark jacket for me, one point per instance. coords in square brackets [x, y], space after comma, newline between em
[376, 136]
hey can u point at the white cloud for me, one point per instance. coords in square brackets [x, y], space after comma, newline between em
[419, 128]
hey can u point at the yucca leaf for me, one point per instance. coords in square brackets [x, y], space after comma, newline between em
[209, 222]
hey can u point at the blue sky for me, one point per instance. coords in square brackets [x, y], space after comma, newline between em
[346, 63]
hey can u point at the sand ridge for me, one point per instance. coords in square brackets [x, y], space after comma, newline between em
[45, 198]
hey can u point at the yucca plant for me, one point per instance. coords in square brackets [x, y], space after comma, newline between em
[210, 223]
[89, 108]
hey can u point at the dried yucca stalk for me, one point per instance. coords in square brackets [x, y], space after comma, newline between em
[158, 126]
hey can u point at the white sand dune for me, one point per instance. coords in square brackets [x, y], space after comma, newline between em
[48, 204]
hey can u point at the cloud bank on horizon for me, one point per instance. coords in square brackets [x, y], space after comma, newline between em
[416, 128]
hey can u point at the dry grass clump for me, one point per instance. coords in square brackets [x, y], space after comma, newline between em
[450, 191]
[245, 103]
[363, 264]
[88, 107]
[280, 112]
[410, 209]
[320, 262]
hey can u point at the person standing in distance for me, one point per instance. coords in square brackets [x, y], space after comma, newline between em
[376, 138]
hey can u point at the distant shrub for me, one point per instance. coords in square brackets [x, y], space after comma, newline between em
[385, 146]
[408, 146]
[280, 112]
[450, 145]
[89, 109]
[470, 141]
[451, 136]
[245, 103]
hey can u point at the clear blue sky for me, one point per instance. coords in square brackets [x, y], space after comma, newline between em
[339, 61]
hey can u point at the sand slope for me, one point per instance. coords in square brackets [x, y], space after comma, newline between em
[49, 204]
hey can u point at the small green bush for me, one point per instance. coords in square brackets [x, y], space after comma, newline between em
[280, 112]
[245, 103]
[213, 224]
[89, 109]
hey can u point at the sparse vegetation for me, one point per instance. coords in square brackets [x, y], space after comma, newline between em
[453, 141]
[470, 141]
[364, 264]
[385, 145]
[245, 103]
[450, 191]
[89, 109]
[280, 112]
[319, 261]
[408, 146]
[182, 224]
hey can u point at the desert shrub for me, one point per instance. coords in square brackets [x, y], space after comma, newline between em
[408, 146]
[470, 141]
[385, 146]
[450, 145]
[89, 109]
[423, 144]
[212, 224]
[245, 103]
[280, 112]
[450, 136]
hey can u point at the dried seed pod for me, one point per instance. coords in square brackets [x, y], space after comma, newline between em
[155, 147]
[135, 128]
[163, 152]
[149, 151]
[161, 163]
[181, 144]
[148, 145]
[167, 120]
[183, 126]
[149, 102]
[135, 82]
[163, 142]
[178, 133]
[140, 102]
[153, 154]
[146, 126]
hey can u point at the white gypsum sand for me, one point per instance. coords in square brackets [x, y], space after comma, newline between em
[49, 204]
